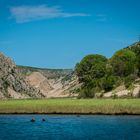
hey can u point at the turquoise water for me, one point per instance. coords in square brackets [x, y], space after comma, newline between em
[68, 127]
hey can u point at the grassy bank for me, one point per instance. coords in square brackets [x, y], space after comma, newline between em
[71, 106]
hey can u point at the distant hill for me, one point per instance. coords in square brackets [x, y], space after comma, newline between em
[49, 73]
[51, 82]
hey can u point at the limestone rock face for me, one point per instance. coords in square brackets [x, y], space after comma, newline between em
[11, 78]
[122, 93]
[53, 88]
[37, 80]
[136, 91]
[108, 94]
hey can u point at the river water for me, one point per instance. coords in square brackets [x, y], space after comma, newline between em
[69, 127]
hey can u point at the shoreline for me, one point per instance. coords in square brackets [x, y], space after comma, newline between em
[71, 107]
[73, 114]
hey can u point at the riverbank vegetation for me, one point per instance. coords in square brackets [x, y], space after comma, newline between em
[71, 106]
[100, 74]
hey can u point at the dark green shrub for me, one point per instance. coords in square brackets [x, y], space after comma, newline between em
[129, 80]
[86, 93]
[108, 82]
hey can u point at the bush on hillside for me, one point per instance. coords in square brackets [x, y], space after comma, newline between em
[108, 82]
[136, 49]
[124, 63]
[86, 92]
[129, 80]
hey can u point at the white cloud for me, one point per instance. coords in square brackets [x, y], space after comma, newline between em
[30, 13]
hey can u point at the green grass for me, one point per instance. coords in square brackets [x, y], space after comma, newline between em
[71, 106]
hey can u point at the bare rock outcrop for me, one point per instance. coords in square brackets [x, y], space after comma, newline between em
[54, 87]
[39, 81]
[136, 91]
[12, 83]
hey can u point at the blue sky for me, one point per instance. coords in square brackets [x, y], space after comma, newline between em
[59, 33]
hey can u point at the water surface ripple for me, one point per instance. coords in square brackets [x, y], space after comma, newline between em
[69, 127]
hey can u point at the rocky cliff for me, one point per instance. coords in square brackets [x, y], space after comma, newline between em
[19, 82]
[12, 83]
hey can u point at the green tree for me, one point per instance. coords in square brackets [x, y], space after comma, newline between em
[124, 63]
[91, 67]
[89, 71]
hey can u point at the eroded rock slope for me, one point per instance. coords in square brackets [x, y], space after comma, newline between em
[12, 83]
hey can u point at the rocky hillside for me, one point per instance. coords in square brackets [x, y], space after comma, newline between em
[20, 82]
[40, 82]
[135, 46]
[116, 77]
[12, 83]
[53, 83]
